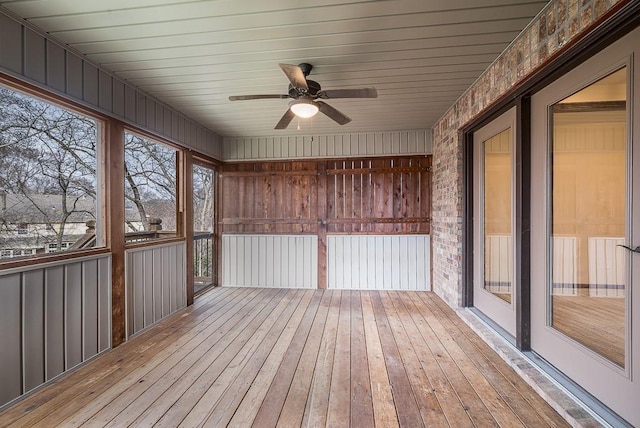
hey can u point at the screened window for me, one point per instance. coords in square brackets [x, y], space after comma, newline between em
[150, 189]
[48, 176]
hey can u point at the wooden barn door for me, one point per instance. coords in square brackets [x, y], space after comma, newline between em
[350, 224]
[377, 223]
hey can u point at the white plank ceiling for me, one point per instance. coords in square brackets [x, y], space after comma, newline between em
[419, 54]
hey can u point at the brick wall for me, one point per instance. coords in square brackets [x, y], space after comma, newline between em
[560, 22]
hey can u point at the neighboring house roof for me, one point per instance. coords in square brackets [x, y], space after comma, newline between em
[42, 209]
[38, 208]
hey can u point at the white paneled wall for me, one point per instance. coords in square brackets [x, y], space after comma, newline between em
[328, 146]
[565, 265]
[378, 262]
[498, 263]
[53, 317]
[155, 283]
[279, 261]
[607, 267]
[30, 56]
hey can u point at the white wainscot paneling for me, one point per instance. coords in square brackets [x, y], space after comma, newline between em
[53, 316]
[565, 266]
[328, 146]
[378, 262]
[607, 267]
[156, 284]
[278, 261]
[498, 263]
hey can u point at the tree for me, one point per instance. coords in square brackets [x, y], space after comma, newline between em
[150, 180]
[46, 150]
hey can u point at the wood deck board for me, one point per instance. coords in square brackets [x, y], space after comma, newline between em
[339, 409]
[317, 406]
[445, 393]
[250, 405]
[178, 400]
[415, 354]
[295, 358]
[480, 351]
[487, 394]
[295, 403]
[91, 380]
[225, 408]
[269, 411]
[168, 363]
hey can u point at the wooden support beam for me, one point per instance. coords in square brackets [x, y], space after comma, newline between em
[322, 225]
[186, 184]
[114, 225]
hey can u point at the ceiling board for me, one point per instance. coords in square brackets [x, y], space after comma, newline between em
[420, 54]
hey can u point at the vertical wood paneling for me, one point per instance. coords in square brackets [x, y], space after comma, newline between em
[382, 195]
[34, 65]
[26, 53]
[279, 261]
[378, 262]
[323, 146]
[33, 328]
[73, 315]
[10, 335]
[163, 304]
[565, 270]
[607, 267]
[129, 103]
[49, 321]
[498, 263]
[141, 109]
[149, 264]
[74, 75]
[90, 309]
[56, 67]
[54, 308]
[11, 48]
[155, 279]
[118, 98]
[150, 113]
[104, 304]
[90, 83]
[105, 90]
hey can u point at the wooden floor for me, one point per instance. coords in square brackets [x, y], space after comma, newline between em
[266, 357]
[596, 322]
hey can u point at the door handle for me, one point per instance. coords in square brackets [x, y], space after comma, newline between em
[634, 250]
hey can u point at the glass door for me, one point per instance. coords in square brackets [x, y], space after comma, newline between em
[585, 210]
[494, 291]
[204, 243]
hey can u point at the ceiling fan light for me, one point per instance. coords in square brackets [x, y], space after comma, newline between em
[303, 108]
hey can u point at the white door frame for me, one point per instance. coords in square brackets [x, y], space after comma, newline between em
[500, 311]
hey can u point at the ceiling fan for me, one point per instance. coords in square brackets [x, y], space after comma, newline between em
[306, 95]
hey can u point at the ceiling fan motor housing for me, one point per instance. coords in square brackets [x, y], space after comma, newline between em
[314, 88]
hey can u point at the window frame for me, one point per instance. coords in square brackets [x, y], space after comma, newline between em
[102, 240]
[180, 183]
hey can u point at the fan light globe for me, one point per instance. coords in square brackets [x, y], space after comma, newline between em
[303, 108]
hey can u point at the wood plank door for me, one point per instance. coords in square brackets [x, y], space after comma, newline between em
[585, 205]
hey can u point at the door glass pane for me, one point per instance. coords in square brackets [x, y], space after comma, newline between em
[203, 242]
[498, 259]
[588, 185]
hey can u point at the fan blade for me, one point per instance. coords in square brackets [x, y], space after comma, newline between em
[349, 93]
[295, 75]
[286, 119]
[334, 114]
[257, 97]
